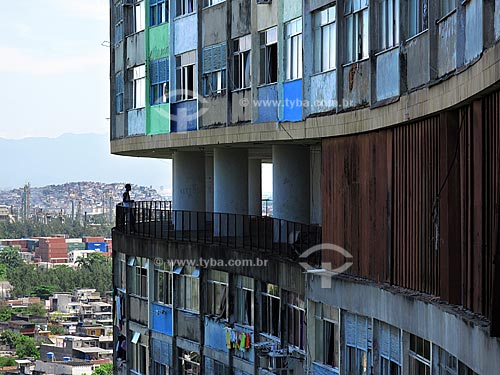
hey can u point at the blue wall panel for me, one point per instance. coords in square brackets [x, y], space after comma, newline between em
[292, 94]
[320, 370]
[161, 352]
[184, 116]
[161, 316]
[268, 103]
[215, 335]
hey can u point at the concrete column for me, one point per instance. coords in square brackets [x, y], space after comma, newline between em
[188, 181]
[188, 190]
[291, 187]
[209, 183]
[230, 190]
[255, 187]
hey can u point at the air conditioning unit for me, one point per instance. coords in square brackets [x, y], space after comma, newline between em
[264, 1]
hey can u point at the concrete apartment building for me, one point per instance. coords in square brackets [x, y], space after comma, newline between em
[381, 119]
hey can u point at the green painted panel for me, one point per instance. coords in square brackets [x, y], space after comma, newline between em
[159, 119]
[158, 41]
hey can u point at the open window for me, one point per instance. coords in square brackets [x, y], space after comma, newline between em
[269, 56]
[271, 310]
[242, 62]
[186, 75]
[244, 302]
[217, 286]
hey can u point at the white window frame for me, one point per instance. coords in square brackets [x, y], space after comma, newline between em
[416, 358]
[242, 62]
[138, 271]
[139, 16]
[323, 315]
[163, 284]
[387, 361]
[217, 285]
[139, 86]
[214, 78]
[244, 286]
[186, 70]
[187, 357]
[268, 41]
[271, 294]
[293, 47]
[356, 16]
[296, 308]
[189, 289]
[139, 354]
[389, 23]
[325, 39]
[209, 3]
[418, 17]
[183, 7]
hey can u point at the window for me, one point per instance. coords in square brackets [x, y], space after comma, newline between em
[163, 283]
[209, 3]
[139, 16]
[269, 56]
[159, 81]
[139, 350]
[189, 362]
[271, 310]
[296, 321]
[118, 19]
[158, 12]
[389, 339]
[417, 13]
[293, 46]
[446, 7]
[356, 18]
[244, 300]
[419, 356]
[357, 344]
[186, 75]
[189, 297]
[119, 88]
[213, 367]
[389, 23]
[214, 70]
[185, 7]
[217, 293]
[327, 335]
[159, 368]
[241, 62]
[138, 271]
[139, 86]
[325, 40]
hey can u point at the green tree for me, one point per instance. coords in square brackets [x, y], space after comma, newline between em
[37, 309]
[5, 313]
[105, 369]
[7, 361]
[56, 329]
[43, 291]
[10, 257]
[26, 347]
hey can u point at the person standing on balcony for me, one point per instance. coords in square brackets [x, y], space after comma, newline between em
[126, 196]
[127, 203]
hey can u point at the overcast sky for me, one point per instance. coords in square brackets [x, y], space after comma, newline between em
[53, 68]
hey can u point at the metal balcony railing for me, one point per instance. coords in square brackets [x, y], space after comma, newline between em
[259, 233]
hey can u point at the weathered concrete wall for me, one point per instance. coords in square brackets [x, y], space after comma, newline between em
[497, 19]
[136, 49]
[159, 41]
[214, 110]
[292, 96]
[268, 103]
[184, 116]
[388, 76]
[241, 18]
[473, 29]
[136, 121]
[315, 4]
[439, 324]
[267, 16]
[214, 24]
[160, 119]
[324, 92]
[118, 57]
[417, 61]
[315, 185]
[138, 310]
[291, 9]
[356, 78]
[185, 41]
[447, 45]
[119, 124]
[188, 325]
[239, 111]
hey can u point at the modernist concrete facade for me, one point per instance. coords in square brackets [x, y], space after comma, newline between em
[381, 119]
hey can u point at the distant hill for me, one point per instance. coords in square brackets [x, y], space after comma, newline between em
[75, 157]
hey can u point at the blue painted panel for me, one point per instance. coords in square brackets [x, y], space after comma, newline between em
[185, 41]
[161, 316]
[215, 335]
[268, 103]
[324, 92]
[388, 66]
[101, 246]
[292, 94]
[321, 370]
[184, 116]
[137, 121]
[161, 352]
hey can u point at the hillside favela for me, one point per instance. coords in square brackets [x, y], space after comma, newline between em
[250, 187]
